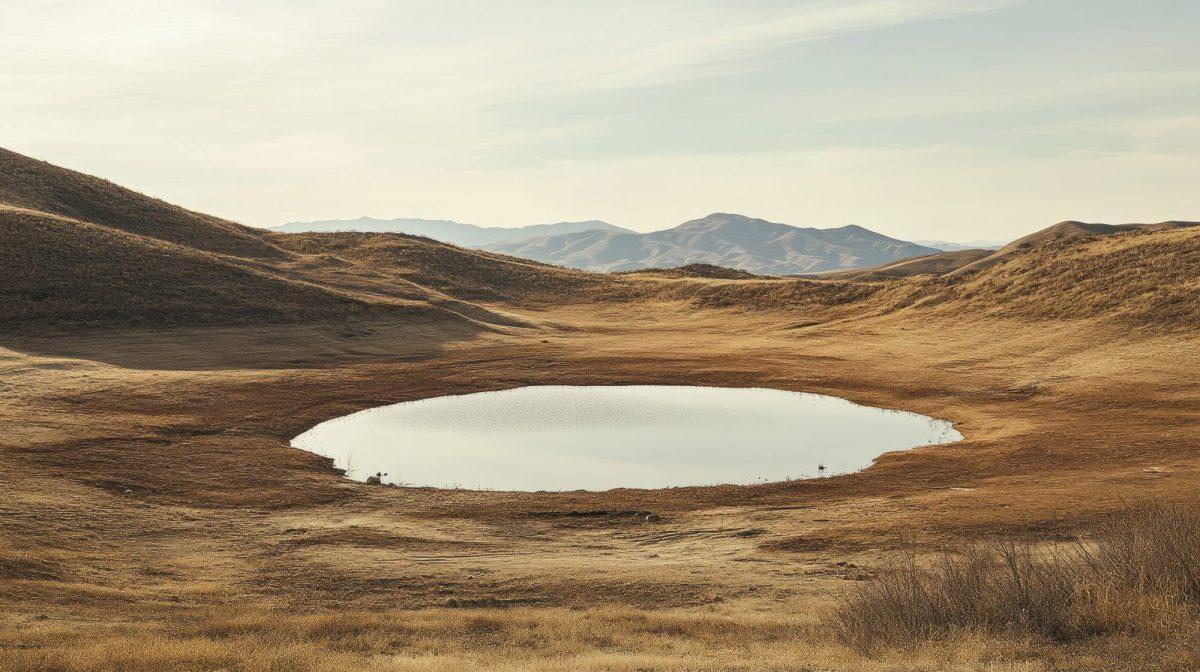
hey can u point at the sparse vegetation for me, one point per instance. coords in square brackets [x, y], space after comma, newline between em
[1137, 574]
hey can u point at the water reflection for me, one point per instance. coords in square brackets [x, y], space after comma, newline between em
[597, 438]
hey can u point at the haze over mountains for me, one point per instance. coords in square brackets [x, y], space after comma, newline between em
[727, 240]
[948, 246]
[445, 230]
[732, 241]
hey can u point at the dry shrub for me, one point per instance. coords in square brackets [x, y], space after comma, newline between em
[1151, 549]
[1139, 574]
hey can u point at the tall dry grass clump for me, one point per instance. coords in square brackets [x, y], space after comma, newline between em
[1152, 549]
[1137, 573]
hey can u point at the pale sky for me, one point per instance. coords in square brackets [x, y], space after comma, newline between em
[948, 119]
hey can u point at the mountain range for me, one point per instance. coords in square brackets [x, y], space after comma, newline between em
[732, 241]
[728, 240]
[947, 246]
[445, 230]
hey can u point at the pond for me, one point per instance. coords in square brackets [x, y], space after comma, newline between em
[597, 438]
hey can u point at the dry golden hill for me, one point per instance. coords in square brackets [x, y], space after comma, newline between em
[1070, 230]
[1144, 277]
[931, 264]
[463, 273]
[966, 262]
[68, 274]
[42, 187]
[79, 252]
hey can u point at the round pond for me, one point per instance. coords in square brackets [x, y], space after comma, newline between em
[598, 438]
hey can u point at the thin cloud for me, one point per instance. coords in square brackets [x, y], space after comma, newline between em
[641, 112]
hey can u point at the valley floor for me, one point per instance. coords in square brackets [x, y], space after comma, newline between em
[155, 518]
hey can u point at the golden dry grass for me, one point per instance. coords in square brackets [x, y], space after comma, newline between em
[65, 273]
[40, 186]
[1138, 573]
[607, 638]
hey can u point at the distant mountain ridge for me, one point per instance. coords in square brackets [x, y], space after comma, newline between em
[720, 239]
[947, 246]
[445, 230]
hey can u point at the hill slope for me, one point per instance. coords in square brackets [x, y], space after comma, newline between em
[78, 252]
[39, 186]
[732, 241]
[455, 233]
[62, 272]
[1068, 230]
[962, 263]
[1147, 276]
[933, 264]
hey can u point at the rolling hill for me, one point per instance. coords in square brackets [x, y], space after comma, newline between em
[128, 260]
[733, 241]
[1140, 274]
[931, 264]
[38, 186]
[961, 263]
[447, 231]
[66, 273]
[78, 252]
[1069, 230]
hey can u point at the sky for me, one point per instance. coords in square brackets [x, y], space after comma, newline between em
[921, 119]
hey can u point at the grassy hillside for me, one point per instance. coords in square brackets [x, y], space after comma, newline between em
[1060, 233]
[37, 185]
[1147, 277]
[62, 272]
[80, 251]
[469, 275]
[932, 264]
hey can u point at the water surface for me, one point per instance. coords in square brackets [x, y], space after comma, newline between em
[598, 438]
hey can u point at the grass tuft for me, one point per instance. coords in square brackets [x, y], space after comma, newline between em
[1138, 574]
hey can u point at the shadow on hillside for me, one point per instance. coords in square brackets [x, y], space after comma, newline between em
[258, 346]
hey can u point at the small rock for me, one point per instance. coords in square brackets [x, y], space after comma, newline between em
[653, 518]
